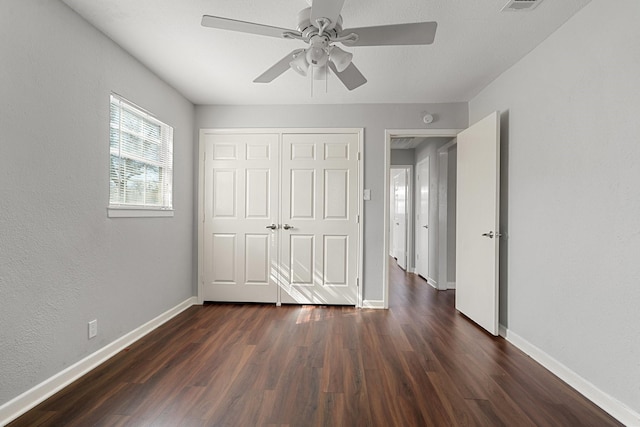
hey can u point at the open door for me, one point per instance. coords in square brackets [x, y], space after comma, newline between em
[398, 229]
[477, 222]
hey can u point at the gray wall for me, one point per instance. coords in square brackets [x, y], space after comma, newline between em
[571, 158]
[403, 157]
[374, 119]
[62, 261]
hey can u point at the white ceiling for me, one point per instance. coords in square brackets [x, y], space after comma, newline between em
[474, 44]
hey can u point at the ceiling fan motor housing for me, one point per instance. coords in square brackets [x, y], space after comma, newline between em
[308, 29]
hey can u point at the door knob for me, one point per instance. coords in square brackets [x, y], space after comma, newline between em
[272, 226]
[287, 226]
[425, 226]
[491, 235]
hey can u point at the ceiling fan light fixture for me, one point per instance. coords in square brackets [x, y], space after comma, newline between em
[340, 58]
[317, 56]
[300, 64]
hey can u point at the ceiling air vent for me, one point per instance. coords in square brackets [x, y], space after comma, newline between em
[521, 5]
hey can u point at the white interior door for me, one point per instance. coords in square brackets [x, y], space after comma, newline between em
[399, 216]
[477, 222]
[319, 238]
[422, 252]
[241, 190]
[392, 208]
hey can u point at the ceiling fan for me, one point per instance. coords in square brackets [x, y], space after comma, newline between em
[320, 26]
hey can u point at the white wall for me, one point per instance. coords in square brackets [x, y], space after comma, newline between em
[62, 261]
[571, 156]
[374, 118]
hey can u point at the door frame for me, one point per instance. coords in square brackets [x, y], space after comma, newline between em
[444, 282]
[388, 134]
[200, 191]
[409, 220]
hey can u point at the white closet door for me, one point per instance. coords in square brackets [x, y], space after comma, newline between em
[319, 238]
[240, 203]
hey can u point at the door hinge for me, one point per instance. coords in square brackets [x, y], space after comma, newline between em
[358, 219]
[358, 155]
[357, 282]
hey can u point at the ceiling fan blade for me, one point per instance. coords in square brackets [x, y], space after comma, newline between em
[329, 9]
[278, 68]
[351, 77]
[393, 35]
[244, 27]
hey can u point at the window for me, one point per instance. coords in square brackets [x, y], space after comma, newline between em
[141, 162]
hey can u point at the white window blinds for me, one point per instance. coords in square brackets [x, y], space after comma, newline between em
[141, 168]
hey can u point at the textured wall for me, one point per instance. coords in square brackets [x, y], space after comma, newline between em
[62, 261]
[570, 157]
[374, 118]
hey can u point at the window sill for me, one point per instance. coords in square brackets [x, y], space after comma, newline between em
[138, 213]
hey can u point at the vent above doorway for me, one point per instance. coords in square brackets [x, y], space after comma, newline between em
[521, 5]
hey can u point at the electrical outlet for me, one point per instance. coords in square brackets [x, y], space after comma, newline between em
[93, 328]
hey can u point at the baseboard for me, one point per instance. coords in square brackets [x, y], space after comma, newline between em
[451, 285]
[369, 303]
[431, 281]
[614, 407]
[30, 398]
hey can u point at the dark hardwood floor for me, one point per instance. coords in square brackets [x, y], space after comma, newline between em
[417, 364]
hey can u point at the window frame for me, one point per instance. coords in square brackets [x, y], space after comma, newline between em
[165, 164]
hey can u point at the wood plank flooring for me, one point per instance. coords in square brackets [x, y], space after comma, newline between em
[417, 364]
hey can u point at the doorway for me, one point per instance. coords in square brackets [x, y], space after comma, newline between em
[476, 219]
[434, 231]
